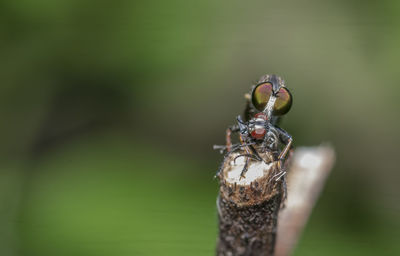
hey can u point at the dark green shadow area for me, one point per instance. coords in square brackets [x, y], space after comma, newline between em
[104, 197]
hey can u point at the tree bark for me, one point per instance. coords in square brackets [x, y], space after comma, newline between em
[248, 207]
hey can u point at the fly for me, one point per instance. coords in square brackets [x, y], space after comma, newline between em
[260, 137]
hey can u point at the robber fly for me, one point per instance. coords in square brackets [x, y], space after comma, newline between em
[259, 132]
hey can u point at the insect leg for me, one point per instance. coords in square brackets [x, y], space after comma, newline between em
[284, 152]
[245, 168]
[287, 139]
[246, 155]
[247, 158]
[255, 153]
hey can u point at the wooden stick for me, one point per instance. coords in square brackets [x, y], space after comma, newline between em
[307, 175]
[248, 207]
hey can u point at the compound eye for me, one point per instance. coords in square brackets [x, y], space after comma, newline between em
[283, 102]
[261, 95]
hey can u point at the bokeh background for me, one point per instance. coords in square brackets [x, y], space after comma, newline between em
[109, 110]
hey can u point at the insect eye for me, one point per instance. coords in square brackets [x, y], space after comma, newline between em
[283, 102]
[261, 95]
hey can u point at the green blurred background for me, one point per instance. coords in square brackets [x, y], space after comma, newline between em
[109, 110]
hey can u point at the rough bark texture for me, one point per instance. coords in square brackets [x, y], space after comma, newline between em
[248, 209]
[249, 230]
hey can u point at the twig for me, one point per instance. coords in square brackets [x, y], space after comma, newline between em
[307, 175]
[248, 207]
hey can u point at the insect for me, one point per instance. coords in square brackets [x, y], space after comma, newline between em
[259, 132]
